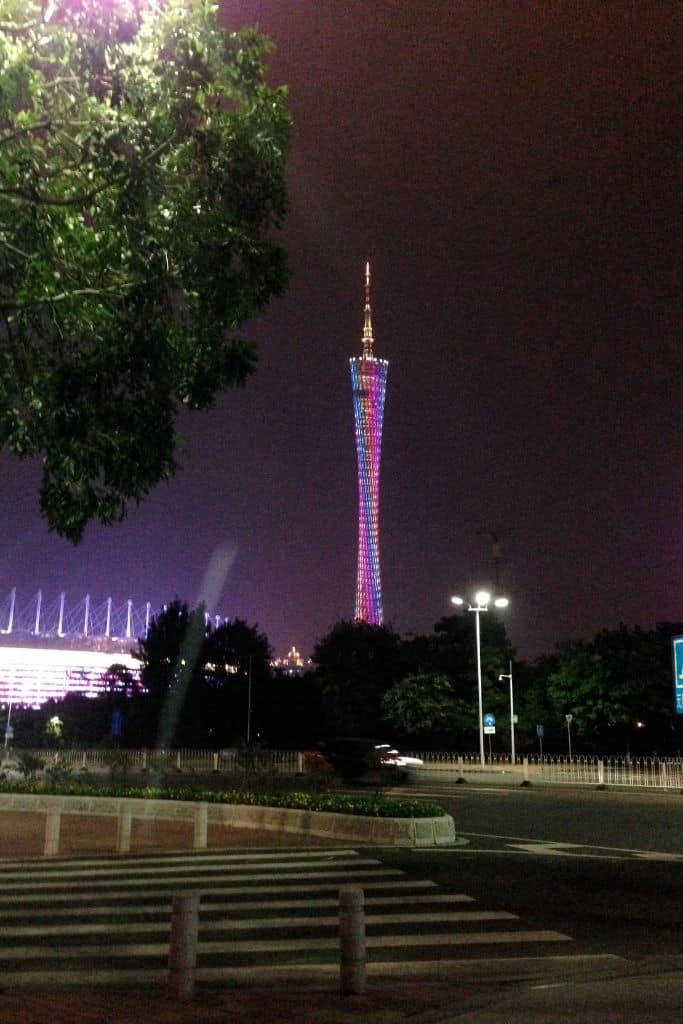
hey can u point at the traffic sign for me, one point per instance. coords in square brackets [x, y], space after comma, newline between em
[678, 674]
[539, 730]
[489, 719]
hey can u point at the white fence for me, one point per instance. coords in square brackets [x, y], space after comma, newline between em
[647, 772]
[188, 762]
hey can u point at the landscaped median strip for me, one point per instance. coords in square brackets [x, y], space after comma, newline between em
[358, 819]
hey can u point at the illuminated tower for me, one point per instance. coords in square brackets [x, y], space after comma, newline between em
[368, 381]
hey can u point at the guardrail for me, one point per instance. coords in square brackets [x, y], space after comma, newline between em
[646, 772]
[182, 761]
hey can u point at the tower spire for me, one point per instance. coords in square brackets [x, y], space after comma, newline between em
[368, 340]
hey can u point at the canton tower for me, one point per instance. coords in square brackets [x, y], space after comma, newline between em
[368, 382]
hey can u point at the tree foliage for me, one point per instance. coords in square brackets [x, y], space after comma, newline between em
[618, 684]
[425, 707]
[354, 666]
[198, 677]
[141, 173]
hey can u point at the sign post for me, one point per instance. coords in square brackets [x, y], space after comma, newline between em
[489, 729]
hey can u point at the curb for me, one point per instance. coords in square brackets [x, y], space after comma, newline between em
[402, 832]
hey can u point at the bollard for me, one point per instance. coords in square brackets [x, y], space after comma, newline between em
[352, 968]
[525, 770]
[299, 763]
[123, 829]
[601, 773]
[215, 761]
[201, 818]
[53, 820]
[182, 950]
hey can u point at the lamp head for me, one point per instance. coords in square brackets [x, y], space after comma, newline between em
[482, 597]
[457, 600]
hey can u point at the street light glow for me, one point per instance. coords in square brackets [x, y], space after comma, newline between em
[482, 599]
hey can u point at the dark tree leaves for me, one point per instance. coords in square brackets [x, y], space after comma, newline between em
[141, 175]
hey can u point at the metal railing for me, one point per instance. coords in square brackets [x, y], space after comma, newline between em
[589, 770]
[595, 770]
[183, 761]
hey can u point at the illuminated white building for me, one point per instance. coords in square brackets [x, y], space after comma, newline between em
[31, 676]
[50, 650]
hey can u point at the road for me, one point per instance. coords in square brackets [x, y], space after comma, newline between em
[605, 867]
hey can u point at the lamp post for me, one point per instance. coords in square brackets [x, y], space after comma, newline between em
[508, 675]
[482, 600]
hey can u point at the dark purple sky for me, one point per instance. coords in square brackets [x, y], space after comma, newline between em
[513, 172]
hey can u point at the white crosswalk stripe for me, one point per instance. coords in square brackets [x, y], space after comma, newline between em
[108, 919]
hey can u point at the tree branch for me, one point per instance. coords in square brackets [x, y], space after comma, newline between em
[43, 300]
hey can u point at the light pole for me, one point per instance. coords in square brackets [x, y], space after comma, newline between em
[482, 599]
[508, 675]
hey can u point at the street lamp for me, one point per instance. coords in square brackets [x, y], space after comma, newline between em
[508, 675]
[482, 600]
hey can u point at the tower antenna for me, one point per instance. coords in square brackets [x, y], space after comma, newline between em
[368, 339]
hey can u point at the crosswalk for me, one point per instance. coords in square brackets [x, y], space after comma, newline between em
[262, 912]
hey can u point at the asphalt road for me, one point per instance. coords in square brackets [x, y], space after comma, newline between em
[606, 867]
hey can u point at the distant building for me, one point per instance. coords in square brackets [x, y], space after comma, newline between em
[293, 664]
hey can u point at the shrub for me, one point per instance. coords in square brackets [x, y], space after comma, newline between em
[336, 803]
[29, 764]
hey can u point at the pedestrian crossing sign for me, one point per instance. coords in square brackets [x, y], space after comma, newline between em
[678, 673]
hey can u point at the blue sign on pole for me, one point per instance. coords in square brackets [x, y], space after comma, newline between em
[490, 719]
[116, 723]
[678, 674]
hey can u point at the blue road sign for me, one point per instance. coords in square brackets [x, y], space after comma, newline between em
[539, 730]
[490, 719]
[678, 674]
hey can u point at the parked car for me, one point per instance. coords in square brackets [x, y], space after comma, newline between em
[354, 757]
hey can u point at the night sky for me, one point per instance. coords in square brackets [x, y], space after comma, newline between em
[513, 173]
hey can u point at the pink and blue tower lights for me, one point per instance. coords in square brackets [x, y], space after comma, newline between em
[368, 381]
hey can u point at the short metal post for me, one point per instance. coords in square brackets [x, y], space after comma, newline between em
[299, 762]
[123, 829]
[201, 818]
[215, 761]
[601, 773]
[53, 820]
[665, 782]
[182, 952]
[525, 768]
[352, 973]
